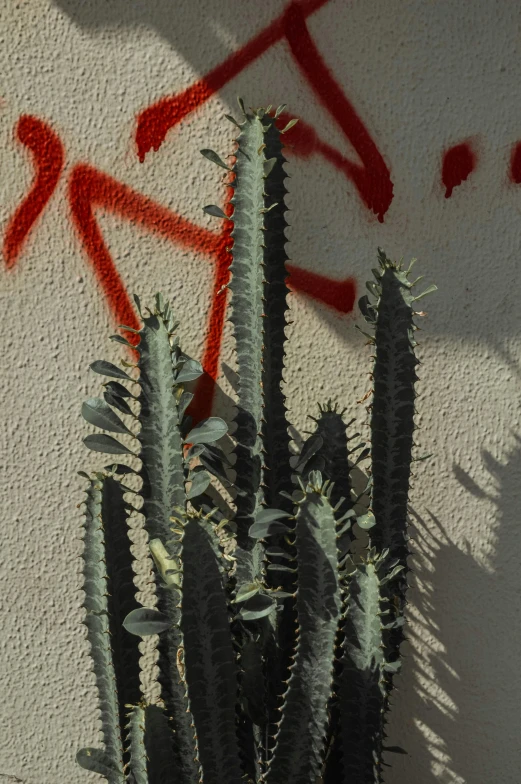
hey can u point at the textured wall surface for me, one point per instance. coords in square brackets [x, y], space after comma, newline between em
[408, 134]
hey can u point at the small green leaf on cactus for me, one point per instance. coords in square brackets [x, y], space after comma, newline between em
[214, 158]
[232, 120]
[279, 110]
[264, 210]
[214, 211]
[145, 621]
[120, 339]
[391, 574]
[117, 402]
[184, 401]
[138, 304]
[103, 443]
[207, 431]
[395, 749]
[268, 166]
[279, 552]
[200, 482]
[98, 413]
[118, 389]
[83, 474]
[281, 594]
[160, 302]
[373, 288]
[257, 606]
[241, 104]
[267, 515]
[190, 370]
[194, 451]
[245, 592]
[108, 369]
[261, 530]
[366, 521]
[428, 290]
[311, 447]
[290, 125]
[119, 468]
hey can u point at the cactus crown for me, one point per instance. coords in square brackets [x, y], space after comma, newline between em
[277, 645]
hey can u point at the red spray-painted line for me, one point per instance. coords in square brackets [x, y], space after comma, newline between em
[458, 162]
[337, 294]
[48, 156]
[155, 121]
[371, 178]
[90, 188]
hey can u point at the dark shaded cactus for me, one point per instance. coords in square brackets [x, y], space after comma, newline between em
[275, 662]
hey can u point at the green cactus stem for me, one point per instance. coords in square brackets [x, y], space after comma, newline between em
[362, 688]
[150, 741]
[392, 419]
[297, 756]
[210, 670]
[163, 369]
[258, 315]
[110, 594]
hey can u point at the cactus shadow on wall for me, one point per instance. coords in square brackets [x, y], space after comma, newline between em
[466, 674]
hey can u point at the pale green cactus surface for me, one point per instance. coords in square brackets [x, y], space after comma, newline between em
[277, 642]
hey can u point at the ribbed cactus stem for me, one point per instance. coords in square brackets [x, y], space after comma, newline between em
[392, 420]
[163, 491]
[297, 756]
[362, 685]
[258, 307]
[110, 594]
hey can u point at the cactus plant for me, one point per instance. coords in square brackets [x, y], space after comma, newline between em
[278, 644]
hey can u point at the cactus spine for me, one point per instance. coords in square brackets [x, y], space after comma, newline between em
[275, 665]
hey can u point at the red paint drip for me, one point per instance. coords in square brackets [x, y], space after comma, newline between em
[48, 157]
[458, 162]
[515, 164]
[155, 122]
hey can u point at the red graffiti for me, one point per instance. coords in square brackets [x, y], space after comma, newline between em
[155, 122]
[458, 162]
[515, 164]
[90, 189]
[338, 294]
[48, 155]
[371, 178]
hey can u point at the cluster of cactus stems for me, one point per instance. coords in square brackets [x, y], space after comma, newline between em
[277, 645]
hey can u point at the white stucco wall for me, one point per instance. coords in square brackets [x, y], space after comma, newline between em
[422, 76]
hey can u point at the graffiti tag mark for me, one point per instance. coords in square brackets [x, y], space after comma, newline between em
[371, 178]
[48, 156]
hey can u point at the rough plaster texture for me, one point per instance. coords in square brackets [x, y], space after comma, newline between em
[422, 76]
